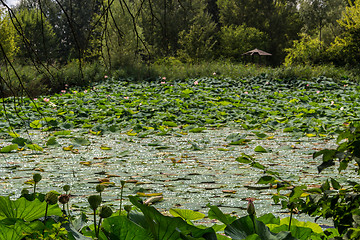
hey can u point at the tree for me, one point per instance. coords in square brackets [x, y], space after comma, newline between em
[162, 21]
[197, 42]
[35, 37]
[72, 22]
[236, 40]
[7, 38]
[278, 19]
[320, 18]
[346, 47]
[121, 40]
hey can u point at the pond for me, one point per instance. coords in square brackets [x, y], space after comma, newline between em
[181, 140]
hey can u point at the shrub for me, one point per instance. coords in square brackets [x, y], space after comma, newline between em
[307, 50]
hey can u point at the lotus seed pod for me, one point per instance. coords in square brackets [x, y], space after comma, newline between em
[105, 212]
[66, 188]
[51, 197]
[37, 177]
[64, 198]
[122, 183]
[24, 191]
[127, 208]
[100, 188]
[94, 201]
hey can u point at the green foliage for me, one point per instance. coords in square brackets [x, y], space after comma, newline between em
[236, 40]
[331, 199]
[347, 150]
[171, 28]
[197, 42]
[20, 217]
[345, 48]
[7, 38]
[120, 227]
[121, 41]
[307, 51]
[163, 227]
[278, 20]
[320, 18]
[35, 38]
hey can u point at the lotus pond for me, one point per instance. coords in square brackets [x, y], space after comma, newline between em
[194, 141]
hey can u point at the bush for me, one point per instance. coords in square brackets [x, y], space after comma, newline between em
[33, 81]
[307, 50]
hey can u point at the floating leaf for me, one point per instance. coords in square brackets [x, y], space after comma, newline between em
[20, 141]
[261, 135]
[103, 147]
[81, 141]
[197, 130]
[244, 159]
[257, 165]
[229, 191]
[260, 149]
[266, 180]
[223, 149]
[141, 194]
[62, 133]
[9, 148]
[69, 148]
[52, 142]
[35, 147]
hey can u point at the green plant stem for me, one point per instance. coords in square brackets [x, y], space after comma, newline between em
[291, 213]
[34, 189]
[46, 210]
[68, 212]
[121, 196]
[95, 221]
[98, 230]
[253, 220]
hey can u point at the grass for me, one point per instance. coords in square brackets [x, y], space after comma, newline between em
[40, 80]
[240, 70]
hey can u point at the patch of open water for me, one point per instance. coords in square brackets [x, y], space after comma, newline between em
[198, 177]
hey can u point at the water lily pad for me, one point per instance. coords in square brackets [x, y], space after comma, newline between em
[81, 141]
[9, 148]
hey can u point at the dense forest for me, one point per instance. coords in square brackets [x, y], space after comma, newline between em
[122, 33]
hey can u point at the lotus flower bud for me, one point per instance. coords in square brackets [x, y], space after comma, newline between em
[66, 188]
[105, 212]
[37, 177]
[127, 208]
[94, 201]
[250, 208]
[64, 198]
[100, 188]
[51, 197]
